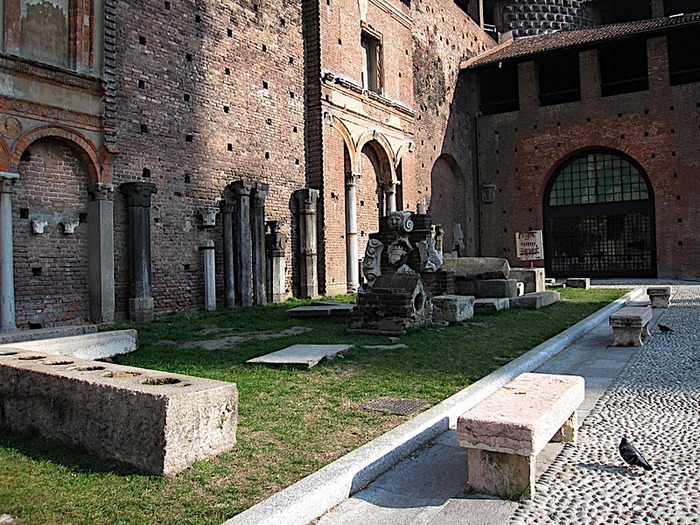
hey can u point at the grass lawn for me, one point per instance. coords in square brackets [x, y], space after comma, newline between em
[292, 422]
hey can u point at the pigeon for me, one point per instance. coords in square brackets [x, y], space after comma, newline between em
[632, 456]
[665, 329]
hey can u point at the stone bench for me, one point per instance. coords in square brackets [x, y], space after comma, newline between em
[155, 421]
[505, 432]
[660, 296]
[630, 325]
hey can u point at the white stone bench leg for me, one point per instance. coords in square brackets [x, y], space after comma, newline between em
[628, 335]
[510, 476]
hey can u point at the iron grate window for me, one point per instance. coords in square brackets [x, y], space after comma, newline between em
[598, 178]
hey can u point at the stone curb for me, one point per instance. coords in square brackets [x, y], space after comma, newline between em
[314, 495]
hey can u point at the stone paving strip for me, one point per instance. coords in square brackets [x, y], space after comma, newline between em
[655, 402]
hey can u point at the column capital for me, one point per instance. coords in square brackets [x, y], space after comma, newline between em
[226, 206]
[7, 180]
[260, 194]
[242, 188]
[351, 177]
[390, 186]
[138, 193]
[102, 191]
[307, 199]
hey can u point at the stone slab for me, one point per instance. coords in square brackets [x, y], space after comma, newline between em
[87, 346]
[397, 346]
[46, 333]
[491, 306]
[522, 416]
[535, 300]
[304, 356]
[488, 288]
[322, 310]
[452, 308]
[155, 421]
[477, 267]
[578, 282]
[533, 278]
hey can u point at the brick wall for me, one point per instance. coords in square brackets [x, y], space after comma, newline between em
[51, 269]
[520, 151]
[205, 93]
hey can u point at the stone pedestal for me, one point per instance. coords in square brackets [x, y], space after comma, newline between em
[533, 278]
[307, 200]
[101, 253]
[7, 276]
[275, 242]
[209, 276]
[138, 195]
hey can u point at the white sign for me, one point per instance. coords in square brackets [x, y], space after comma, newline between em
[528, 245]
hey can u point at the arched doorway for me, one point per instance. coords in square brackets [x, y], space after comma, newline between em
[447, 202]
[50, 234]
[599, 218]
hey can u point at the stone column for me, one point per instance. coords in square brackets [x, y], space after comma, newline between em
[101, 253]
[307, 200]
[242, 190]
[390, 188]
[275, 242]
[138, 205]
[229, 279]
[257, 226]
[351, 246]
[209, 276]
[7, 274]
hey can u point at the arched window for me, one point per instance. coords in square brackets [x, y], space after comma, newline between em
[599, 218]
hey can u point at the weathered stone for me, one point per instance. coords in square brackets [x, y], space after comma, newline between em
[535, 300]
[478, 267]
[88, 346]
[660, 296]
[452, 308]
[322, 310]
[505, 432]
[155, 421]
[304, 356]
[482, 289]
[578, 282]
[630, 325]
[532, 277]
[491, 305]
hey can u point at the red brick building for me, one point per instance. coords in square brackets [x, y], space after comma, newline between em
[126, 124]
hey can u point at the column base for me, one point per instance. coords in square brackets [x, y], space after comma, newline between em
[141, 309]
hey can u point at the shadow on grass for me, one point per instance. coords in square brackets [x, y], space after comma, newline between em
[73, 458]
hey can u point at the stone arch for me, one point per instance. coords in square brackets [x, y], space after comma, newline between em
[82, 146]
[598, 210]
[448, 201]
[344, 132]
[379, 143]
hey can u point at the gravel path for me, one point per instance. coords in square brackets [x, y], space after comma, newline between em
[655, 402]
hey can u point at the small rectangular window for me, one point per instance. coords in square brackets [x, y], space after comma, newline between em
[371, 63]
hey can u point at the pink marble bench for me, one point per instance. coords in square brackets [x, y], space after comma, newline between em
[630, 325]
[505, 432]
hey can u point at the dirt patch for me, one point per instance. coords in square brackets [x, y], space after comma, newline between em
[227, 343]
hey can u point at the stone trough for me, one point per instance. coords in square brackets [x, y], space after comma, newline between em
[155, 421]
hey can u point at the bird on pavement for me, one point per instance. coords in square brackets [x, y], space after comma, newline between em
[632, 456]
[665, 329]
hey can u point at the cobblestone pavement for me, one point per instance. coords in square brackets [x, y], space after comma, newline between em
[655, 402]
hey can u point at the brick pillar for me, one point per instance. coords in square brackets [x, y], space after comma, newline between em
[244, 258]
[307, 201]
[7, 274]
[657, 58]
[138, 205]
[589, 73]
[101, 253]
[229, 272]
[528, 86]
[257, 225]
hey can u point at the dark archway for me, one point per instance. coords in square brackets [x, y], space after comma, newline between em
[599, 218]
[448, 202]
